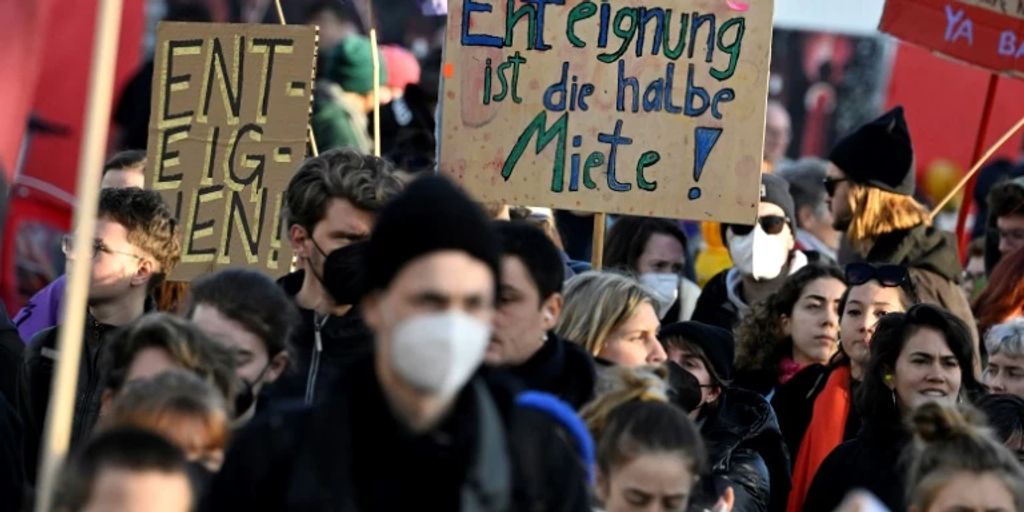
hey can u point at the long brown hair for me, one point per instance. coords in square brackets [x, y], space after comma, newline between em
[1003, 296]
[877, 212]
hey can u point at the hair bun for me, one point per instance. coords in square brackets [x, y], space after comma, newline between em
[933, 423]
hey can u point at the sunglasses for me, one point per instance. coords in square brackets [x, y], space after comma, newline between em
[771, 224]
[831, 184]
[886, 275]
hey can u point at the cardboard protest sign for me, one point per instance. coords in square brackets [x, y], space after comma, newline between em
[642, 107]
[986, 33]
[227, 131]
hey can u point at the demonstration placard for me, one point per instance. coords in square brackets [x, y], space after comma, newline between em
[641, 107]
[226, 133]
[986, 33]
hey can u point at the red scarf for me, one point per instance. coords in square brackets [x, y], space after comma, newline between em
[824, 433]
[788, 368]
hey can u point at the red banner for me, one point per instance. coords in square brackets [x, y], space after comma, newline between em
[985, 33]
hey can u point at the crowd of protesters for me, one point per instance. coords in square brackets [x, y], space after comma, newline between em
[428, 352]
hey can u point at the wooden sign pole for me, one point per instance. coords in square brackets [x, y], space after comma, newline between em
[57, 432]
[309, 128]
[597, 249]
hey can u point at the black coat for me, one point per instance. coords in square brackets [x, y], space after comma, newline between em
[561, 368]
[870, 461]
[714, 307]
[745, 451]
[794, 406]
[11, 350]
[350, 453]
[343, 339]
[12, 470]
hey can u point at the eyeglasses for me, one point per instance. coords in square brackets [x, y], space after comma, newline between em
[831, 184]
[67, 245]
[771, 224]
[886, 275]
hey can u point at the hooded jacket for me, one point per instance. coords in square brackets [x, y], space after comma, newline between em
[351, 453]
[36, 375]
[342, 339]
[931, 258]
[745, 451]
[561, 368]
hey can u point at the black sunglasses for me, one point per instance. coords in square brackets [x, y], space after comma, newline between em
[771, 224]
[886, 275]
[831, 184]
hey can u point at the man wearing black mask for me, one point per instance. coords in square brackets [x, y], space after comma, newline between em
[331, 202]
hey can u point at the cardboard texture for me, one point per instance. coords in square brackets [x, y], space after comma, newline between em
[986, 33]
[227, 131]
[626, 106]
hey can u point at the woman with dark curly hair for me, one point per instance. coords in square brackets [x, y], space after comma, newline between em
[793, 329]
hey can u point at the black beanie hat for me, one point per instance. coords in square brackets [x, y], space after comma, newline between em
[879, 154]
[431, 215]
[775, 190]
[717, 343]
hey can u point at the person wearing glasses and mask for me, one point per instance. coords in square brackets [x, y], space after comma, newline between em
[821, 413]
[137, 243]
[763, 255]
[870, 182]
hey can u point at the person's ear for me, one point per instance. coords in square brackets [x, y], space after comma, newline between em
[147, 268]
[370, 307]
[786, 325]
[278, 364]
[601, 486]
[106, 401]
[805, 216]
[297, 237]
[551, 309]
[889, 379]
[714, 392]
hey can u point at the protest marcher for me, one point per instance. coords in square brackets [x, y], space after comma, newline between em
[957, 465]
[12, 470]
[778, 133]
[125, 469]
[1003, 296]
[406, 120]
[440, 435]
[344, 96]
[871, 185]
[814, 231]
[613, 317]
[248, 313]
[923, 355]
[1005, 414]
[793, 330]
[42, 311]
[763, 257]
[180, 406]
[822, 413]
[975, 278]
[137, 243]
[529, 305]
[331, 202]
[649, 453]
[1004, 372]
[1006, 220]
[159, 342]
[656, 251]
[745, 447]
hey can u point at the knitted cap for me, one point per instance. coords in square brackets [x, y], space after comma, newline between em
[350, 65]
[879, 154]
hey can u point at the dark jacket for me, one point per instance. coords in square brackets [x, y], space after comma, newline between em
[342, 340]
[11, 349]
[870, 461]
[36, 375]
[350, 453]
[794, 406]
[931, 256]
[12, 470]
[713, 305]
[746, 452]
[561, 368]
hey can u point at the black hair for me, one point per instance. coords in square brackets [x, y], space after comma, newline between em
[251, 299]
[127, 448]
[538, 254]
[628, 237]
[641, 427]
[874, 398]
[1005, 414]
[126, 159]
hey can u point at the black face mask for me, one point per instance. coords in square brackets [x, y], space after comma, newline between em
[344, 271]
[200, 475]
[246, 397]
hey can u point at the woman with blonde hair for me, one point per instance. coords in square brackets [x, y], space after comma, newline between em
[957, 464]
[613, 317]
[870, 183]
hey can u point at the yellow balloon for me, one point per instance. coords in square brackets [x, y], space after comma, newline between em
[939, 178]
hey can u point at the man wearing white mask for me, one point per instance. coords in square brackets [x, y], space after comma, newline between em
[763, 257]
[413, 424]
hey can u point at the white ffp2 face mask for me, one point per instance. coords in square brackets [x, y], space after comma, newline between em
[758, 254]
[665, 286]
[438, 352]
